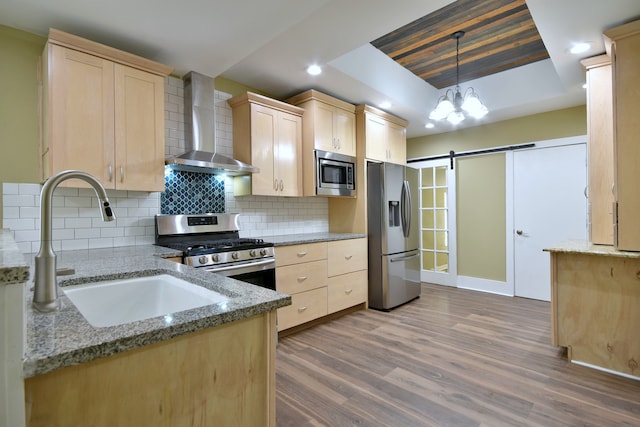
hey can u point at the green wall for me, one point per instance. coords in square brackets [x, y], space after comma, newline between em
[537, 127]
[19, 129]
[481, 182]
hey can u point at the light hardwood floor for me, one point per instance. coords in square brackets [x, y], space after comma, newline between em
[452, 358]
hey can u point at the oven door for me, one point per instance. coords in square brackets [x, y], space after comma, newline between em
[260, 273]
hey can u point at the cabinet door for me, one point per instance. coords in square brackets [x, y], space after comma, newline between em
[626, 55]
[345, 132]
[264, 150]
[346, 256]
[79, 118]
[324, 138]
[376, 138]
[289, 160]
[397, 143]
[600, 154]
[139, 117]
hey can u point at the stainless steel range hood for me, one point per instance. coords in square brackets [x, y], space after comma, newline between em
[200, 129]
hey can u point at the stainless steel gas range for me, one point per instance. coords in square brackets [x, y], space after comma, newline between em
[212, 242]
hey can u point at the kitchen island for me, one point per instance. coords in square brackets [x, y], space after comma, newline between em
[595, 305]
[212, 365]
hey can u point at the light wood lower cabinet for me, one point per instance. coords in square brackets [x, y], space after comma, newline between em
[322, 278]
[346, 290]
[305, 306]
[222, 376]
[594, 308]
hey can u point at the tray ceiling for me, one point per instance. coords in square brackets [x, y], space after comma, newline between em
[499, 35]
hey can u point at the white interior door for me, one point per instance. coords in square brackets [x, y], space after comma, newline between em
[549, 206]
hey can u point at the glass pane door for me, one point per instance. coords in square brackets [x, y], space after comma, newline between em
[437, 222]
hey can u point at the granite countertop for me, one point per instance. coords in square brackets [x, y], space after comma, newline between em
[588, 248]
[296, 239]
[65, 338]
[13, 267]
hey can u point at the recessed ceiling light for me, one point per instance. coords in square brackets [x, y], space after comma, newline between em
[581, 47]
[429, 125]
[385, 104]
[314, 69]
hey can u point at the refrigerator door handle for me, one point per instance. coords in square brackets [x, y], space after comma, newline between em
[405, 208]
[404, 258]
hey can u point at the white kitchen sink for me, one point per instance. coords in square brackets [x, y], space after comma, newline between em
[114, 302]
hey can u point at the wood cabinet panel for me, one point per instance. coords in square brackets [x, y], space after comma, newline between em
[79, 115]
[600, 148]
[191, 380]
[346, 290]
[286, 255]
[346, 256]
[594, 304]
[294, 278]
[625, 49]
[139, 124]
[305, 306]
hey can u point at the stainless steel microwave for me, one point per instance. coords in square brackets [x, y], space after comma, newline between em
[335, 174]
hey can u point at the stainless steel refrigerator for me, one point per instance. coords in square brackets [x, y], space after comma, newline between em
[394, 255]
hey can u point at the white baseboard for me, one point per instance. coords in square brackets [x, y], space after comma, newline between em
[485, 285]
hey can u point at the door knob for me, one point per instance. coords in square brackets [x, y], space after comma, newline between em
[519, 232]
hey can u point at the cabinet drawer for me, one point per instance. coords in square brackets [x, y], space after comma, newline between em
[346, 290]
[294, 254]
[346, 256]
[295, 278]
[305, 306]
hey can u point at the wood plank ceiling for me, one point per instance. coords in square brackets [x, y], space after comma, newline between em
[499, 35]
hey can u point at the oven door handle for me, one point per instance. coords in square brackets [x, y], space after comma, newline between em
[238, 266]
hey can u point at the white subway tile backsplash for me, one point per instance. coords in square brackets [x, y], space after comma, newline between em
[19, 223]
[77, 223]
[11, 212]
[87, 233]
[18, 200]
[9, 188]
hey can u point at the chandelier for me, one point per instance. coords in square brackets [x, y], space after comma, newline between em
[453, 106]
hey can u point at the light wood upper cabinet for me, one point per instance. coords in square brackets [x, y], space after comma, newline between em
[103, 113]
[384, 136]
[625, 57]
[267, 134]
[600, 148]
[329, 123]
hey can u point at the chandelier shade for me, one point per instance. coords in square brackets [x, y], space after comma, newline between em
[452, 106]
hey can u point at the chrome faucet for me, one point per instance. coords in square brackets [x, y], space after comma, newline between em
[45, 296]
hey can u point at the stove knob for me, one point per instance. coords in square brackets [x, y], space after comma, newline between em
[263, 252]
[203, 259]
[215, 257]
[235, 255]
[252, 252]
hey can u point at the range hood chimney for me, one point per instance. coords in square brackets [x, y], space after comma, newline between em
[200, 129]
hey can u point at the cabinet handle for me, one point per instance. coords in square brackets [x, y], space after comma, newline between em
[348, 291]
[348, 257]
[121, 173]
[275, 184]
[302, 278]
[334, 143]
[110, 173]
[301, 254]
[338, 140]
[281, 185]
[301, 309]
